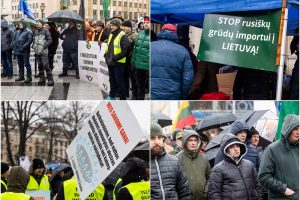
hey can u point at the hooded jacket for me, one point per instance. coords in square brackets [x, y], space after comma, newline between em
[231, 179]
[22, 40]
[172, 71]
[252, 154]
[279, 168]
[195, 166]
[168, 181]
[17, 180]
[7, 36]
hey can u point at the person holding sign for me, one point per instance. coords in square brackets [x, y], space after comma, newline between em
[168, 180]
[115, 57]
[4, 175]
[17, 181]
[135, 181]
[38, 179]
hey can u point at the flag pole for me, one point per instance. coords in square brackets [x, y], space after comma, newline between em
[282, 56]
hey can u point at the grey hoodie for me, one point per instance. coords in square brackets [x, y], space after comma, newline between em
[7, 36]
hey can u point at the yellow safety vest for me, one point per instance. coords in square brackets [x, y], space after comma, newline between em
[70, 191]
[139, 190]
[44, 184]
[117, 46]
[3, 183]
[14, 196]
[114, 192]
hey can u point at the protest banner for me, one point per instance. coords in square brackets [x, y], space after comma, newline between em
[244, 40]
[39, 194]
[57, 61]
[110, 133]
[88, 61]
[103, 71]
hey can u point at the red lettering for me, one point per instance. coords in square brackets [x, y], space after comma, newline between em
[124, 136]
[109, 106]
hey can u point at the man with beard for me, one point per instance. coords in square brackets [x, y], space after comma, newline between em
[168, 180]
[38, 180]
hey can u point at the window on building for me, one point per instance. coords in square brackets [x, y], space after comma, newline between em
[130, 15]
[135, 5]
[37, 148]
[135, 15]
[114, 3]
[120, 3]
[101, 13]
[37, 5]
[74, 2]
[125, 4]
[130, 4]
[56, 151]
[119, 13]
[95, 14]
[140, 5]
[100, 2]
[95, 2]
[145, 6]
[125, 15]
[114, 14]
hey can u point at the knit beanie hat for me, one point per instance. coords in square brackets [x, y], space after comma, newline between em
[127, 24]
[4, 167]
[37, 163]
[156, 129]
[169, 27]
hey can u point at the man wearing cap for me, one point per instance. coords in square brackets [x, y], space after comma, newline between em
[279, 169]
[195, 166]
[115, 57]
[4, 175]
[140, 59]
[172, 71]
[178, 139]
[129, 72]
[234, 177]
[168, 180]
[41, 41]
[99, 35]
[38, 179]
[70, 37]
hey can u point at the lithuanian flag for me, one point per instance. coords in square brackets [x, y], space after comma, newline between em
[286, 107]
[184, 117]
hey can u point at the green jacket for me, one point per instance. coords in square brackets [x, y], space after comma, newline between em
[140, 55]
[196, 168]
[279, 166]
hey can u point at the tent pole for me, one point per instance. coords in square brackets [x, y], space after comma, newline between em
[282, 56]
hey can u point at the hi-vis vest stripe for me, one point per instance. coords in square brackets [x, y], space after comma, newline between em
[117, 187]
[139, 190]
[117, 46]
[12, 195]
[3, 183]
[44, 184]
[70, 191]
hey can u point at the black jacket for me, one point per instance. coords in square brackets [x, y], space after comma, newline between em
[55, 41]
[232, 179]
[70, 43]
[112, 59]
[175, 185]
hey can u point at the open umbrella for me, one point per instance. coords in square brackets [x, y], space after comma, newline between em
[29, 22]
[60, 167]
[162, 119]
[64, 16]
[216, 121]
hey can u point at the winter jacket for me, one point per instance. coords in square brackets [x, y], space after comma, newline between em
[140, 54]
[253, 84]
[7, 36]
[110, 58]
[131, 38]
[172, 71]
[251, 154]
[41, 41]
[279, 166]
[70, 43]
[196, 168]
[232, 180]
[22, 40]
[168, 179]
[55, 41]
[18, 180]
[175, 151]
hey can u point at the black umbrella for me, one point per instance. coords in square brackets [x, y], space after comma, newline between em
[162, 119]
[252, 117]
[64, 16]
[216, 121]
[61, 167]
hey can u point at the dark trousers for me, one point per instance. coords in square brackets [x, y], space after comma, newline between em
[50, 59]
[294, 84]
[42, 61]
[117, 81]
[141, 81]
[70, 58]
[7, 62]
[23, 61]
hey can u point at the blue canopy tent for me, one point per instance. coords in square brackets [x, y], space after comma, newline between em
[191, 12]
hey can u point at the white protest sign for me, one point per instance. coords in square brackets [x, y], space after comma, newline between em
[24, 162]
[57, 61]
[103, 71]
[39, 194]
[109, 135]
[88, 61]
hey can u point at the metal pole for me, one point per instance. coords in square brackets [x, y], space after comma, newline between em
[282, 56]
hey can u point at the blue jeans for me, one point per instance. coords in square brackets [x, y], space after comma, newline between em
[7, 62]
[70, 58]
[117, 80]
[23, 61]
